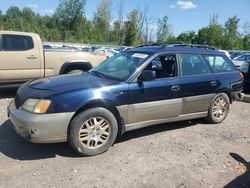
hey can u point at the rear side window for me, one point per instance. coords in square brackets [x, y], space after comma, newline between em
[220, 63]
[16, 43]
[192, 64]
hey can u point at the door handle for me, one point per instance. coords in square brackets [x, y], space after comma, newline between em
[175, 88]
[32, 57]
[213, 83]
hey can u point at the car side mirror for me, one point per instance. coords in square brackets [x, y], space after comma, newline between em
[147, 75]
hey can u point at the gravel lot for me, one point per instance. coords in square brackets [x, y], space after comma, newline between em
[185, 154]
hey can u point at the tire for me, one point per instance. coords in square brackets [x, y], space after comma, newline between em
[218, 109]
[76, 71]
[93, 131]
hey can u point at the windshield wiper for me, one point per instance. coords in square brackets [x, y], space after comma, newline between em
[99, 74]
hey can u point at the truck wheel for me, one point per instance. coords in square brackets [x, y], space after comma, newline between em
[218, 109]
[93, 131]
[76, 71]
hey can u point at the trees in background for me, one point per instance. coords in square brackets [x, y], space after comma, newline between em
[102, 20]
[232, 39]
[246, 35]
[69, 24]
[131, 28]
[212, 35]
[163, 31]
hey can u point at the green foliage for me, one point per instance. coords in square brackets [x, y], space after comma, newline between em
[163, 31]
[131, 29]
[187, 37]
[231, 36]
[172, 40]
[101, 21]
[211, 35]
[68, 19]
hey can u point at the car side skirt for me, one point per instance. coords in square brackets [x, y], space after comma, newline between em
[133, 126]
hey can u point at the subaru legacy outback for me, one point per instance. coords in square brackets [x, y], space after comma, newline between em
[144, 86]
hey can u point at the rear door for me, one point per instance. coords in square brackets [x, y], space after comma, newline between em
[224, 70]
[198, 84]
[157, 99]
[19, 58]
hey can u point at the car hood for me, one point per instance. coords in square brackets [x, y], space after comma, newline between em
[68, 82]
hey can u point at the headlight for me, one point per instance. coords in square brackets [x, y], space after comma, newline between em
[37, 106]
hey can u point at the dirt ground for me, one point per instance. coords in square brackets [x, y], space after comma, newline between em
[181, 155]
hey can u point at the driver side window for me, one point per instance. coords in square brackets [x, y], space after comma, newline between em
[165, 66]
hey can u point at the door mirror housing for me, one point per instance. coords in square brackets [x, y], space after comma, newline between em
[147, 75]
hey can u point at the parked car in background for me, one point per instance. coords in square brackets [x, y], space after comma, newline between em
[133, 89]
[123, 48]
[242, 63]
[233, 55]
[23, 57]
[108, 52]
[70, 48]
[46, 46]
[86, 49]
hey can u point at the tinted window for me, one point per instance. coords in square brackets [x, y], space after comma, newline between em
[192, 64]
[17, 43]
[164, 66]
[220, 63]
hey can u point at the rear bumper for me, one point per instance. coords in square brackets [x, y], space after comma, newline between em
[40, 128]
[237, 95]
[236, 90]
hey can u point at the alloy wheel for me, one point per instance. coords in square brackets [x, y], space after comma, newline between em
[94, 132]
[220, 108]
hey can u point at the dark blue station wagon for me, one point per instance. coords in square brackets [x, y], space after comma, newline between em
[140, 87]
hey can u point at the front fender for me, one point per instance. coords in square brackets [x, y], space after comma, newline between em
[79, 101]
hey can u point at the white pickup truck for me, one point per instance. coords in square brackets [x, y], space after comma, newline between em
[22, 58]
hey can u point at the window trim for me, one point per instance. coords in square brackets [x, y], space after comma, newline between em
[205, 63]
[134, 79]
[211, 68]
[33, 44]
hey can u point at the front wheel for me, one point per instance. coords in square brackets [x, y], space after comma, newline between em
[218, 109]
[93, 131]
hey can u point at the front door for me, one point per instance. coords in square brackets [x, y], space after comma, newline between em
[159, 98]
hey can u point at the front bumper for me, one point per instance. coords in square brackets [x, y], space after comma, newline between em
[40, 128]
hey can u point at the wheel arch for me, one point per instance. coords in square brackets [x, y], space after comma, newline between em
[73, 65]
[107, 105]
[227, 92]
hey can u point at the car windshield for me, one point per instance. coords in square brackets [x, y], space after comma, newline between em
[120, 66]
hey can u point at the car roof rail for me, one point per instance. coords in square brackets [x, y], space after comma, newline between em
[193, 46]
[179, 45]
[153, 44]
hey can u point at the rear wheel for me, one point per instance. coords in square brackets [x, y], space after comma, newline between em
[218, 109]
[93, 131]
